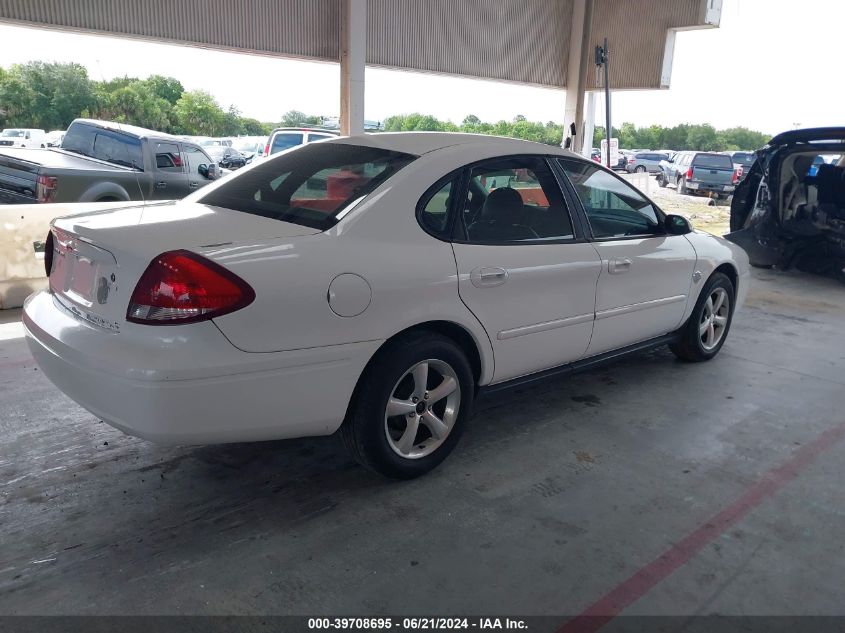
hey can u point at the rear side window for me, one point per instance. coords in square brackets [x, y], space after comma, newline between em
[746, 159]
[310, 186]
[713, 161]
[285, 140]
[108, 145]
[168, 157]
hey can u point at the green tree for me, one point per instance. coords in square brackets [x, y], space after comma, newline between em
[166, 88]
[295, 118]
[197, 113]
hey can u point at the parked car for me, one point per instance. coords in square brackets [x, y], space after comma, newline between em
[699, 172]
[742, 163]
[54, 138]
[293, 316]
[225, 156]
[251, 147]
[642, 162]
[216, 142]
[101, 161]
[283, 138]
[790, 209]
[22, 137]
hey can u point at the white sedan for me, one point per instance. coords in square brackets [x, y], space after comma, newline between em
[370, 284]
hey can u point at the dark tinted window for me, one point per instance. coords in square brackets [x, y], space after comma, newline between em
[434, 208]
[168, 157]
[746, 159]
[285, 140]
[713, 161]
[310, 186]
[515, 200]
[110, 146]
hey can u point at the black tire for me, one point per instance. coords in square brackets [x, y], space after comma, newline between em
[640, 169]
[661, 180]
[682, 186]
[690, 346]
[365, 432]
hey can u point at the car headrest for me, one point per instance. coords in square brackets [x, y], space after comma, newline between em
[502, 205]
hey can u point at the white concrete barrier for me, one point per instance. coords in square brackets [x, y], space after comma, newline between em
[22, 227]
[640, 180]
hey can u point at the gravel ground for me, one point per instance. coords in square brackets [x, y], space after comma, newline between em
[714, 219]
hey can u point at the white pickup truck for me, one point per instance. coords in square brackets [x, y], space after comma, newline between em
[23, 137]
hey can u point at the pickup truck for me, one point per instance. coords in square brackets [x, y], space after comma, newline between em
[699, 172]
[100, 161]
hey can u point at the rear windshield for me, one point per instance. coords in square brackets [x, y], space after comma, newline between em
[311, 185]
[108, 145]
[746, 159]
[286, 140]
[13, 133]
[713, 161]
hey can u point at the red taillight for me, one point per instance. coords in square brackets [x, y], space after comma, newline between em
[689, 174]
[45, 188]
[267, 149]
[183, 287]
[737, 174]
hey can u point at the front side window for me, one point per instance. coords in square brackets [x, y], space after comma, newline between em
[310, 186]
[515, 200]
[194, 158]
[613, 207]
[285, 140]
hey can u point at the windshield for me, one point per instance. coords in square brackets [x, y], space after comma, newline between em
[107, 145]
[713, 161]
[248, 146]
[309, 186]
[746, 159]
[215, 151]
[13, 133]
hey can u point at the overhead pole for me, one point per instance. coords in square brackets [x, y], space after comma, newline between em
[580, 44]
[602, 60]
[353, 51]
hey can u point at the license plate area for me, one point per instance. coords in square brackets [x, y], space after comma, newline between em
[79, 270]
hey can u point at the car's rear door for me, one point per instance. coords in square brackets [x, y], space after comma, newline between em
[525, 270]
[170, 181]
[646, 274]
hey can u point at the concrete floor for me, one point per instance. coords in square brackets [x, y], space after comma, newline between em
[555, 499]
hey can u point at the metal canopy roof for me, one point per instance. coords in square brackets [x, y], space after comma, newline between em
[525, 41]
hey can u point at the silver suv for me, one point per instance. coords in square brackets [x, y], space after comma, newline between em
[645, 161]
[283, 138]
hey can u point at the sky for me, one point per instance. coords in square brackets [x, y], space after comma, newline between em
[771, 66]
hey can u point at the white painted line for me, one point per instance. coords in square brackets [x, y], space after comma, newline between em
[9, 331]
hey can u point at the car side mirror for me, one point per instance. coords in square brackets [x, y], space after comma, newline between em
[677, 225]
[202, 170]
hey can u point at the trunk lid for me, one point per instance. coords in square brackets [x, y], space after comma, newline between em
[98, 257]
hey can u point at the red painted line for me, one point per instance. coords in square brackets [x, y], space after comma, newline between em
[613, 603]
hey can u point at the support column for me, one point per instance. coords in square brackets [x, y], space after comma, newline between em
[576, 74]
[586, 145]
[353, 52]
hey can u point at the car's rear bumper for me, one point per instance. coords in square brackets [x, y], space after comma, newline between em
[712, 188]
[198, 390]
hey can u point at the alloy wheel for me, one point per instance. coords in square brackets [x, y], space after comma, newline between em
[714, 319]
[422, 409]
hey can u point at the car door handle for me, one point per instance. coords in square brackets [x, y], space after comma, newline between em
[619, 265]
[488, 277]
[161, 185]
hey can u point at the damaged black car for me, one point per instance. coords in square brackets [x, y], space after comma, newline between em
[790, 210]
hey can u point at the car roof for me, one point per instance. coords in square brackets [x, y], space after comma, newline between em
[322, 130]
[133, 130]
[419, 143]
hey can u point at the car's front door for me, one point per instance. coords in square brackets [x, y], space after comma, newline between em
[194, 158]
[646, 274]
[170, 181]
[524, 270]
